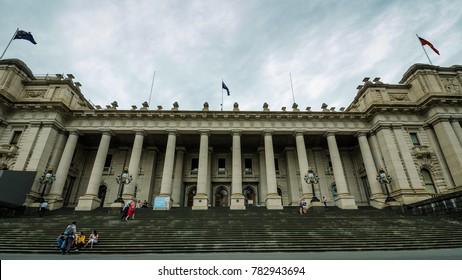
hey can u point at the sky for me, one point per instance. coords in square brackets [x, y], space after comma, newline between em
[261, 49]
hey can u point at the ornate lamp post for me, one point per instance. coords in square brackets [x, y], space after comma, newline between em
[45, 179]
[384, 178]
[123, 179]
[312, 178]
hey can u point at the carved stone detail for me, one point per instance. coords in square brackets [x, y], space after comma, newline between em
[35, 94]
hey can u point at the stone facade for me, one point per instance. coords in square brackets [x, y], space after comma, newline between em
[236, 159]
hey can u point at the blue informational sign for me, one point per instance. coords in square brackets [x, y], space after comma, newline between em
[161, 202]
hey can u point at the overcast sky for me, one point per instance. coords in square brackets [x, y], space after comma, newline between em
[327, 47]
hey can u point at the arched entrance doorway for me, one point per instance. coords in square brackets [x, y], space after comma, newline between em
[333, 189]
[221, 197]
[250, 197]
[190, 196]
[102, 194]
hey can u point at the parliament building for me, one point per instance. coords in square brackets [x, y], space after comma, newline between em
[56, 146]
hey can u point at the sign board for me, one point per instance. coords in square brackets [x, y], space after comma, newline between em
[161, 202]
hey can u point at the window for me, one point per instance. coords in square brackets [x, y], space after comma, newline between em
[107, 164]
[414, 139]
[276, 165]
[194, 165]
[15, 138]
[221, 165]
[247, 166]
[428, 181]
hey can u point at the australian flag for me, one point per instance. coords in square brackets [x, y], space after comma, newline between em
[21, 34]
[224, 87]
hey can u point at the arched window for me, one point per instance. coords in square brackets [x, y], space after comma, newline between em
[428, 181]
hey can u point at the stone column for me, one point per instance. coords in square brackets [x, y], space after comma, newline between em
[292, 178]
[200, 199]
[375, 149]
[134, 165]
[178, 177]
[344, 199]
[38, 161]
[263, 190]
[393, 163]
[377, 198]
[452, 149]
[413, 175]
[167, 174]
[457, 129]
[28, 139]
[209, 177]
[55, 197]
[58, 149]
[303, 165]
[439, 155]
[90, 200]
[273, 199]
[237, 198]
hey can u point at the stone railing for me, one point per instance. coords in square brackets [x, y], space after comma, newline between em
[439, 204]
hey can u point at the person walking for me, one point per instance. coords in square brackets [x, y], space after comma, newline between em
[125, 209]
[69, 233]
[324, 200]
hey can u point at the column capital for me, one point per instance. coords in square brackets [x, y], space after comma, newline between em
[299, 133]
[361, 133]
[236, 132]
[330, 133]
[140, 132]
[268, 132]
[454, 120]
[440, 119]
[74, 132]
[172, 132]
[204, 132]
[107, 132]
[396, 125]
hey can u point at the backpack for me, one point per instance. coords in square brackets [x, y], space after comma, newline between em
[69, 230]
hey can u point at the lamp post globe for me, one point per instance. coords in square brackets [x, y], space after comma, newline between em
[123, 179]
[45, 179]
[384, 178]
[312, 178]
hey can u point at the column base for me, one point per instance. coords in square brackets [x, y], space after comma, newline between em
[200, 202]
[88, 203]
[346, 201]
[273, 202]
[237, 202]
[378, 201]
[54, 201]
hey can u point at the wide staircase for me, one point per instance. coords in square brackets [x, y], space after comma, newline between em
[182, 230]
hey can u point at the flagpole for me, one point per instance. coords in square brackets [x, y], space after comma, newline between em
[424, 50]
[14, 35]
[292, 86]
[152, 85]
[222, 94]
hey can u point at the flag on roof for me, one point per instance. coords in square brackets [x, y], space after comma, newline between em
[425, 42]
[224, 87]
[21, 34]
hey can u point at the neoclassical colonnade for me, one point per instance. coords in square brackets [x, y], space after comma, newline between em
[384, 147]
